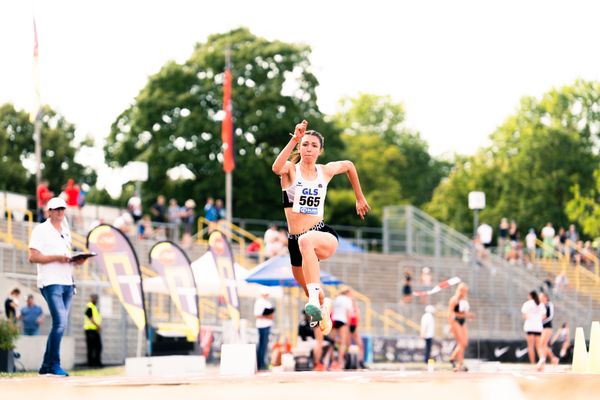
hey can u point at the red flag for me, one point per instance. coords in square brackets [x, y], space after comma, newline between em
[227, 125]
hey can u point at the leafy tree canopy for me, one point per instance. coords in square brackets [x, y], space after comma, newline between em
[394, 163]
[58, 151]
[536, 157]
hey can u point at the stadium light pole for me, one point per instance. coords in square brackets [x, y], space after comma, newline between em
[476, 203]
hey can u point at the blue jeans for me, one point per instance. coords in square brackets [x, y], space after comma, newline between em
[261, 350]
[58, 298]
[427, 350]
[31, 331]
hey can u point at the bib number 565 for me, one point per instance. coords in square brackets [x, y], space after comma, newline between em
[310, 201]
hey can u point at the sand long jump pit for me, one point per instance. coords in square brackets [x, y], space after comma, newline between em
[365, 385]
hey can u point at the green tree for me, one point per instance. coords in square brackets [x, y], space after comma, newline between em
[175, 121]
[394, 163]
[58, 151]
[536, 157]
[585, 208]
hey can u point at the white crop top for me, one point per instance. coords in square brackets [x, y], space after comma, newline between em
[304, 196]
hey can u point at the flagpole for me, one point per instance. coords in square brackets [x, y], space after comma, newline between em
[228, 176]
[37, 127]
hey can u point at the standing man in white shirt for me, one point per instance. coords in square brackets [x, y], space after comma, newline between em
[485, 233]
[427, 330]
[263, 312]
[50, 249]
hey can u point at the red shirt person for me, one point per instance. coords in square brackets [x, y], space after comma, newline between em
[43, 195]
[72, 192]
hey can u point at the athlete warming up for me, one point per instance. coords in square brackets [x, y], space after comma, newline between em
[304, 186]
[458, 313]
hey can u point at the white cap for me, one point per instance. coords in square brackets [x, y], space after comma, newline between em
[56, 202]
[430, 309]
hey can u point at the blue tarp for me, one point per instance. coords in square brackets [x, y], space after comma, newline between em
[277, 271]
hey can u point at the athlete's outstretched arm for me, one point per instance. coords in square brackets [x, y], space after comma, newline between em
[347, 167]
[281, 166]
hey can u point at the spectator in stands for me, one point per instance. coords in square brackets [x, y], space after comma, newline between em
[560, 241]
[514, 253]
[572, 234]
[560, 282]
[32, 317]
[188, 217]
[71, 191]
[210, 214]
[84, 189]
[220, 209]
[264, 313]
[480, 251]
[270, 240]
[502, 236]
[134, 206]
[159, 210]
[428, 330]
[124, 223]
[145, 230]
[174, 219]
[485, 233]
[513, 232]
[548, 239]
[43, 194]
[547, 284]
[530, 244]
[50, 249]
[407, 287]
[587, 254]
[533, 313]
[342, 309]
[458, 314]
[253, 250]
[11, 305]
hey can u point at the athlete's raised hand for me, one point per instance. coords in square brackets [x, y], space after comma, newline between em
[299, 130]
[362, 207]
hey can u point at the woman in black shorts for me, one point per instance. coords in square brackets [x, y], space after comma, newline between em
[533, 314]
[304, 187]
[458, 313]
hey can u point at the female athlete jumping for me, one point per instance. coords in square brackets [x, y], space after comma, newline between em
[304, 186]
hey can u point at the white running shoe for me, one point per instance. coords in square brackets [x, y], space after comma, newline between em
[326, 324]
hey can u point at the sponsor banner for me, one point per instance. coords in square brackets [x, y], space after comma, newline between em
[118, 261]
[171, 263]
[411, 349]
[510, 351]
[219, 248]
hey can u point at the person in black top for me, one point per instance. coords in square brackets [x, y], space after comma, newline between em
[11, 305]
[546, 333]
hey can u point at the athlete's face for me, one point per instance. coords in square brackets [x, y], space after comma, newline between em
[310, 147]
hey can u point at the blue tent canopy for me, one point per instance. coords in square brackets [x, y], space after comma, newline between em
[277, 271]
[346, 246]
